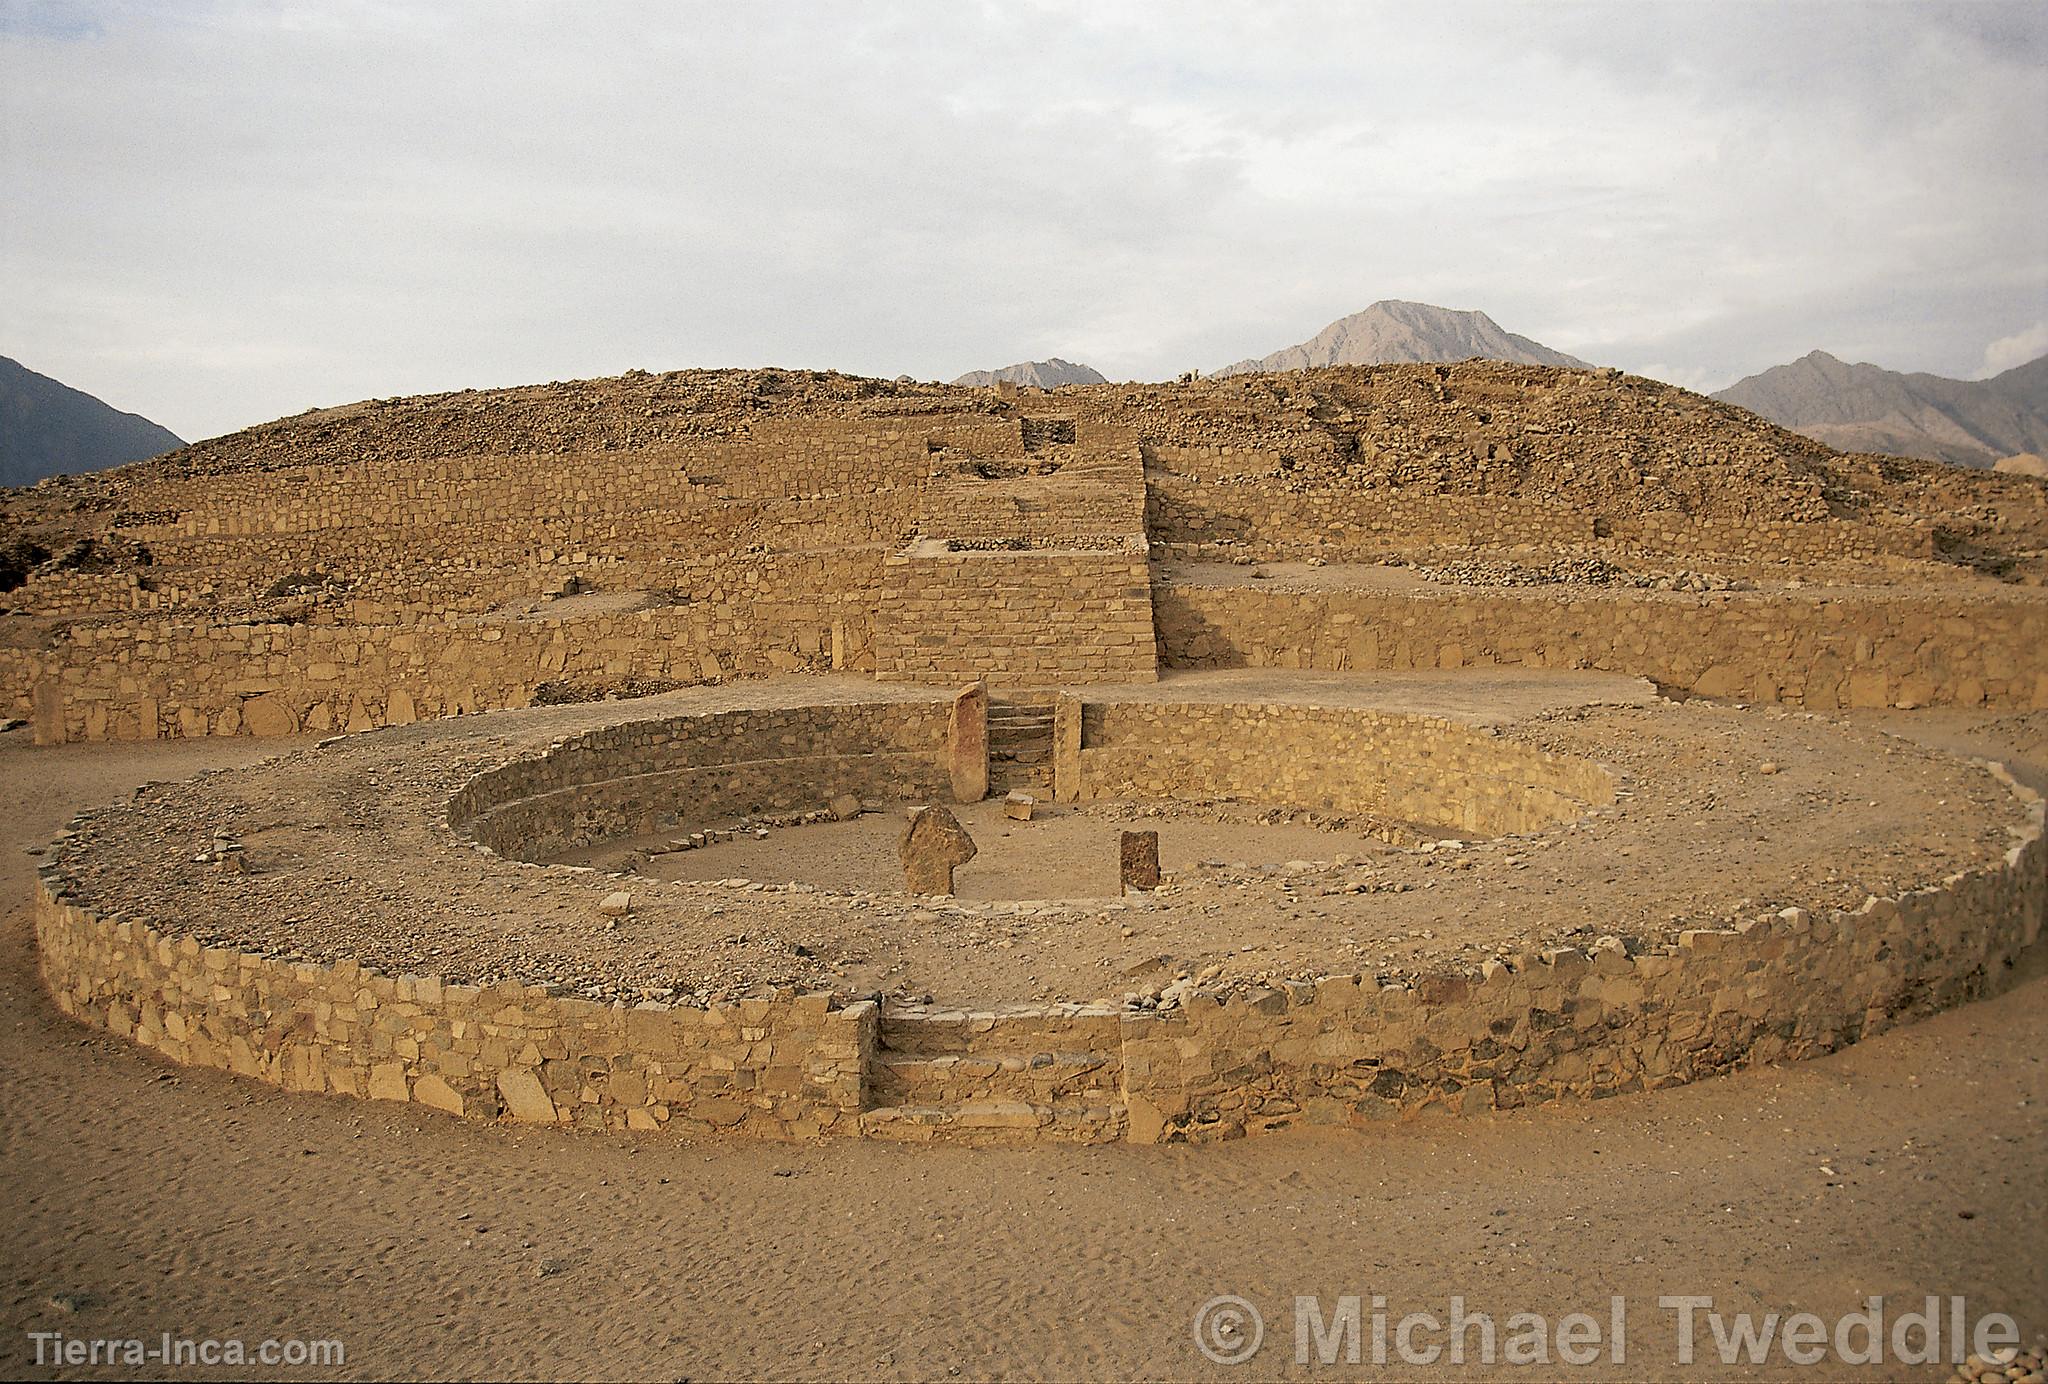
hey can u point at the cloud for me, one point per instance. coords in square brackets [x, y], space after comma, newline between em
[230, 210]
[2017, 349]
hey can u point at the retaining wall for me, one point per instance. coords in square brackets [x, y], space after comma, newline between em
[1199, 496]
[787, 1066]
[170, 676]
[1016, 617]
[1816, 650]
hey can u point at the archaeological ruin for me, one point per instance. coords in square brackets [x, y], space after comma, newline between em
[789, 754]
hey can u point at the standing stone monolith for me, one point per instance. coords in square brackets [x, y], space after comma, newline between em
[933, 845]
[967, 744]
[1140, 862]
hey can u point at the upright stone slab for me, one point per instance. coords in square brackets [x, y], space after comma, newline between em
[1066, 748]
[967, 745]
[1140, 863]
[48, 716]
[933, 845]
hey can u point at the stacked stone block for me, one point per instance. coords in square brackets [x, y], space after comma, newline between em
[1016, 618]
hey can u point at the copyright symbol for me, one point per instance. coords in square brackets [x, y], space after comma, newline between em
[1228, 1329]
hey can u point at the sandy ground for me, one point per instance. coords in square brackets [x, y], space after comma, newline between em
[142, 1198]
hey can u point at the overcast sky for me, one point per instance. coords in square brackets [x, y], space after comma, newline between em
[219, 213]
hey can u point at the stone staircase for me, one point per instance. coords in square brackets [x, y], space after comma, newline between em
[951, 1076]
[1020, 744]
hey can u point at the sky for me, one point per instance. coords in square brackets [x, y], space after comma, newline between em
[217, 212]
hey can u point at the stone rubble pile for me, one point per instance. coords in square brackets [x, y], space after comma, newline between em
[1571, 571]
[2029, 1366]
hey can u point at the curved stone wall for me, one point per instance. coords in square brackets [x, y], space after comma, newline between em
[783, 1065]
[1423, 769]
[1521, 1029]
[649, 776]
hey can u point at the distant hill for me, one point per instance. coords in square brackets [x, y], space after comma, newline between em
[1396, 333]
[47, 428]
[1043, 374]
[1864, 408]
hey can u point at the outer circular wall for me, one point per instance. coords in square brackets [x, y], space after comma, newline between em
[1529, 1028]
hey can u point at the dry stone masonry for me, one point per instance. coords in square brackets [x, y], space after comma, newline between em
[410, 559]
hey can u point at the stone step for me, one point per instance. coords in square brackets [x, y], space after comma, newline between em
[920, 1032]
[954, 1079]
[995, 1122]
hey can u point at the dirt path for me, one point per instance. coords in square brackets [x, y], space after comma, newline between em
[147, 1198]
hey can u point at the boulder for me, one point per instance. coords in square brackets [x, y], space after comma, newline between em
[845, 807]
[1017, 805]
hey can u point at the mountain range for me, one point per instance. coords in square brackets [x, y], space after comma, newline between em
[1042, 374]
[1865, 408]
[1853, 408]
[47, 428]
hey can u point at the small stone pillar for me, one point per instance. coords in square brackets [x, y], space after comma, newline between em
[933, 845]
[967, 744]
[1140, 863]
[1066, 748]
[48, 715]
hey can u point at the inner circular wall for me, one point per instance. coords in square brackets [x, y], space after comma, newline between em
[643, 777]
[1427, 770]
[648, 777]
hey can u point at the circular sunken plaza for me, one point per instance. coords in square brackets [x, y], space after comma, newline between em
[1385, 895]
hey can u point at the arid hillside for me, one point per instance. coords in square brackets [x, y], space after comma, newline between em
[1610, 447]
